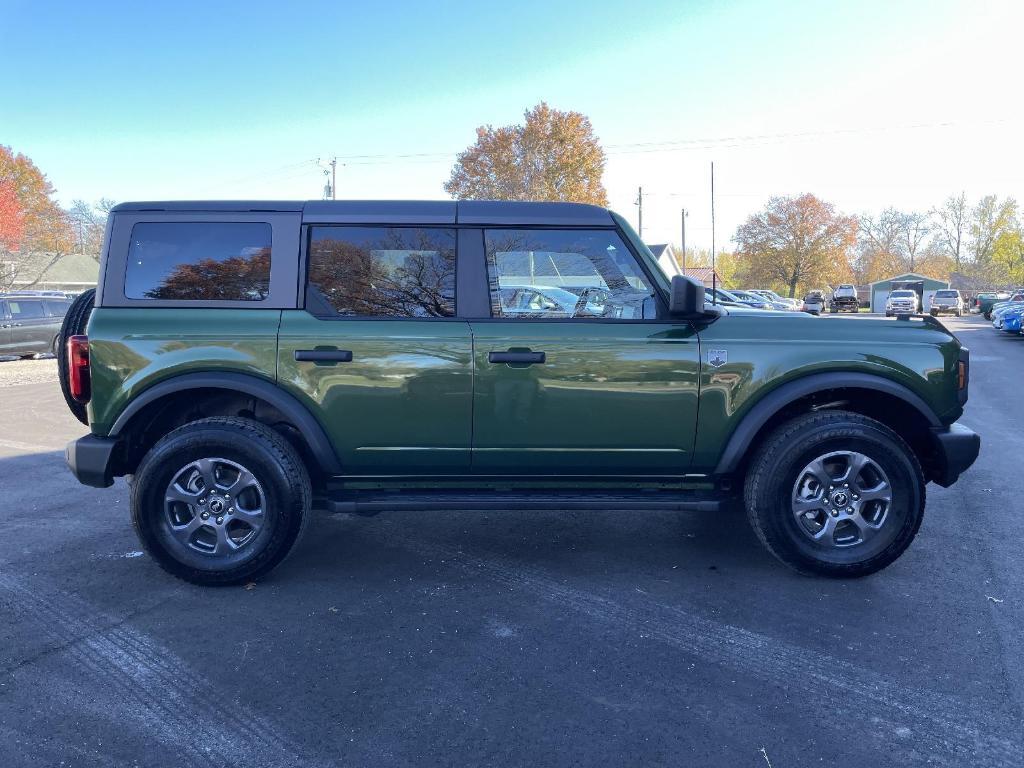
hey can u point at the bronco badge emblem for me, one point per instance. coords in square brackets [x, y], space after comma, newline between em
[717, 357]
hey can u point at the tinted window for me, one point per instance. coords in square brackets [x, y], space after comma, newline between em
[382, 272]
[26, 309]
[565, 273]
[199, 261]
[57, 308]
[946, 294]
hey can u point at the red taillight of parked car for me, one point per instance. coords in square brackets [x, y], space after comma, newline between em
[79, 381]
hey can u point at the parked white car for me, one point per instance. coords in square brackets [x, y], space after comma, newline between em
[902, 301]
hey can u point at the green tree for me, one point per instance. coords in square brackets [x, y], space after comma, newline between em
[1008, 248]
[990, 220]
[553, 155]
[797, 242]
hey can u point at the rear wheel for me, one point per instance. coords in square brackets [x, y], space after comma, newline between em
[220, 501]
[75, 323]
[835, 494]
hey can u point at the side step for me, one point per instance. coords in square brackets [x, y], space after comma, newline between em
[370, 502]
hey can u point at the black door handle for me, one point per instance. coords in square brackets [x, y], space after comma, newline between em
[523, 358]
[323, 355]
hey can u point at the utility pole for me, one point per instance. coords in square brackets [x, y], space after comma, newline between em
[684, 215]
[714, 274]
[640, 215]
[331, 187]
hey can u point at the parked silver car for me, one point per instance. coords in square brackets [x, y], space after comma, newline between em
[30, 323]
[814, 303]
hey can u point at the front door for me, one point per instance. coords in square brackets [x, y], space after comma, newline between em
[378, 353]
[5, 330]
[575, 373]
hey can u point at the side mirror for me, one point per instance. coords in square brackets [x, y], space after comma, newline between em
[687, 297]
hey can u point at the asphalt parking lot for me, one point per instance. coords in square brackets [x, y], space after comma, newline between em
[511, 637]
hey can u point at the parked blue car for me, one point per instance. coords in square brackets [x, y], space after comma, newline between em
[1011, 319]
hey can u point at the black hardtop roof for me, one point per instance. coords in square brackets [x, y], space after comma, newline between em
[494, 212]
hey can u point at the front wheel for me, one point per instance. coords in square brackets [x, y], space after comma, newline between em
[220, 500]
[836, 494]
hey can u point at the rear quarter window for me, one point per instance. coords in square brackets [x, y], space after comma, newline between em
[57, 308]
[199, 261]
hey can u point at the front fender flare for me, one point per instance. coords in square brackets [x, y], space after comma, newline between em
[759, 414]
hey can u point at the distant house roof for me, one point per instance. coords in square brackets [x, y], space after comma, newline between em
[75, 269]
[706, 275]
[910, 277]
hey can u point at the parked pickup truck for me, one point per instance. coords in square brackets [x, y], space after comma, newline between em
[844, 299]
[245, 362]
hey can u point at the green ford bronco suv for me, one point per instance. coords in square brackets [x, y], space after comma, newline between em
[247, 362]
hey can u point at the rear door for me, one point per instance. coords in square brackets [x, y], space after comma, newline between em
[378, 352]
[30, 329]
[606, 386]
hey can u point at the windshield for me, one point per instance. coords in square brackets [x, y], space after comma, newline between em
[902, 294]
[946, 294]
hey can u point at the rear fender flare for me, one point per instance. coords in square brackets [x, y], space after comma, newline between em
[312, 431]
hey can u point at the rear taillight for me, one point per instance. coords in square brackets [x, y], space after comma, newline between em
[79, 381]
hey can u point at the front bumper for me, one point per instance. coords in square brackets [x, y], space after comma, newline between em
[91, 460]
[956, 449]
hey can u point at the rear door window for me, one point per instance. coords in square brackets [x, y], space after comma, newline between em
[381, 272]
[26, 309]
[199, 261]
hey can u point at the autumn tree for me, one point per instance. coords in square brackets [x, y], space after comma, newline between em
[951, 224]
[238, 277]
[797, 241]
[88, 223]
[916, 227]
[880, 245]
[553, 155]
[12, 225]
[44, 234]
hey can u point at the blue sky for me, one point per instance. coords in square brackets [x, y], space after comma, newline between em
[867, 104]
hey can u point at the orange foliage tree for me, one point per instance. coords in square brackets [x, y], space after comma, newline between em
[44, 236]
[553, 155]
[797, 242]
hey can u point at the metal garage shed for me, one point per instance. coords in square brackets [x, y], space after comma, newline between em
[924, 285]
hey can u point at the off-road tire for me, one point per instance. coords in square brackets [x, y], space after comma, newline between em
[75, 323]
[272, 461]
[781, 457]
